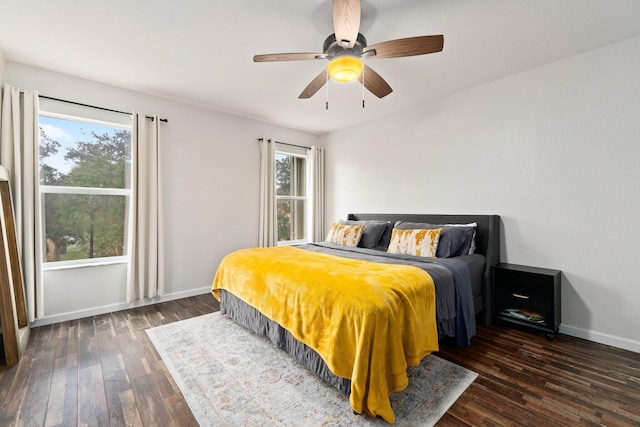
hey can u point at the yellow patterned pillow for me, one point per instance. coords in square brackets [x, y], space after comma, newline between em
[345, 235]
[415, 242]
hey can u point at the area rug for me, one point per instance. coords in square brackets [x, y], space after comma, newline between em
[231, 376]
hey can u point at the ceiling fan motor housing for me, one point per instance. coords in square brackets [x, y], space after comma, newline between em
[333, 49]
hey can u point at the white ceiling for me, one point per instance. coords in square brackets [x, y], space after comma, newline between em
[200, 51]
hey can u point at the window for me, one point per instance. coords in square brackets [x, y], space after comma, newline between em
[291, 196]
[85, 188]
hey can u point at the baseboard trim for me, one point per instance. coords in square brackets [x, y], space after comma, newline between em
[623, 343]
[96, 311]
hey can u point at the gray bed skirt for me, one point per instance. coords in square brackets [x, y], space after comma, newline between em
[252, 319]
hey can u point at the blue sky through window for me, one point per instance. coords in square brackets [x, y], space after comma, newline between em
[68, 133]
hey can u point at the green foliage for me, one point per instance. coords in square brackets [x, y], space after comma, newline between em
[283, 188]
[100, 162]
[290, 181]
[48, 175]
[283, 175]
[80, 226]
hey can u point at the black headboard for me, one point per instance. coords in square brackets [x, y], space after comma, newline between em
[487, 243]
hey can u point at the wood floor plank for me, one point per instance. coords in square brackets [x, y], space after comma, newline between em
[11, 381]
[152, 407]
[109, 352]
[132, 355]
[206, 303]
[92, 400]
[103, 323]
[104, 370]
[63, 384]
[153, 316]
[70, 407]
[33, 406]
[120, 322]
[129, 409]
[120, 399]
[14, 386]
[180, 412]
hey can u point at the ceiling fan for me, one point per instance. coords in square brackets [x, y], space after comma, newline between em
[346, 48]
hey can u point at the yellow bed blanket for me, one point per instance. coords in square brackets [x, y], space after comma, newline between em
[368, 321]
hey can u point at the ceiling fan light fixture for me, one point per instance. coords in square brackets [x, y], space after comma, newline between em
[345, 68]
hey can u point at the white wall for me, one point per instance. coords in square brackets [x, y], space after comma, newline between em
[211, 167]
[554, 151]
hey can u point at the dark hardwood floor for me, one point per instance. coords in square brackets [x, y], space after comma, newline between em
[99, 371]
[104, 370]
[526, 380]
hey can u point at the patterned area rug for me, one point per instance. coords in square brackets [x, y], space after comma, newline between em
[230, 376]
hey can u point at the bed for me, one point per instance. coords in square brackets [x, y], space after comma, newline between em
[430, 298]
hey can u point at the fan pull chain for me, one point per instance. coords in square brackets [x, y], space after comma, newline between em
[363, 88]
[326, 103]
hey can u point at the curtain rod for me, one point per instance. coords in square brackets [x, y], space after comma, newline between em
[291, 145]
[94, 106]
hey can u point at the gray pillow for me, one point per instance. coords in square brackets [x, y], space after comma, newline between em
[454, 241]
[371, 233]
[383, 244]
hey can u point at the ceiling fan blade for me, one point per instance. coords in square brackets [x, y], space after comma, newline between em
[314, 86]
[346, 21]
[374, 82]
[273, 57]
[406, 47]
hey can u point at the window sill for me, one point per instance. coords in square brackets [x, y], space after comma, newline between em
[67, 265]
[292, 242]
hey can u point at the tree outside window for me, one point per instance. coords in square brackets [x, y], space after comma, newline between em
[291, 197]
[84, 170]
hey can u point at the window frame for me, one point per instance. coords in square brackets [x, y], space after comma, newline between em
[293, 151]
[85, 115]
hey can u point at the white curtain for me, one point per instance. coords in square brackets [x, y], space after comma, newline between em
[145, 275]
[267, 229]
[316, 199]
[19, 155]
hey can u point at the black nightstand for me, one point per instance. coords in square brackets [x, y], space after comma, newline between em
[527, 296]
